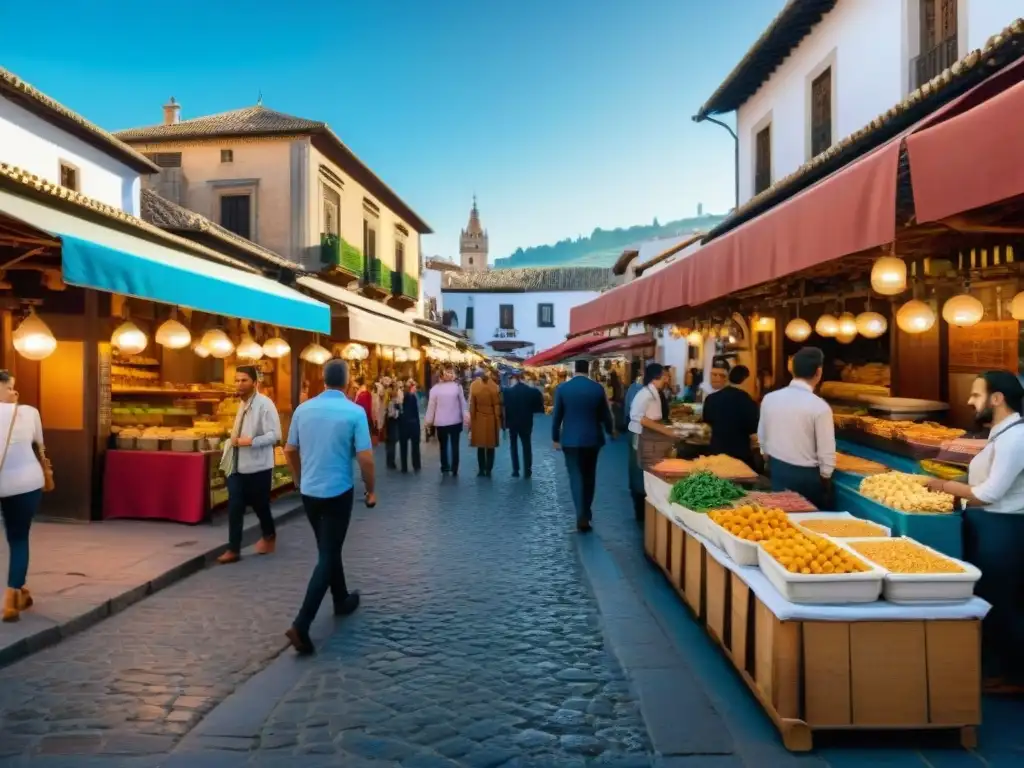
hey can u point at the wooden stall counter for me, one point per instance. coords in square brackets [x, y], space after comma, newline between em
[157, 485]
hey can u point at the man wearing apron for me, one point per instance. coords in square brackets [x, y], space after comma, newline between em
[649, 437]
[796, 432]
[994, 524]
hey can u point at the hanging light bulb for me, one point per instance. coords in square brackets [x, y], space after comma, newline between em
[798, 329]
[846, 338]
[315, 354]
[200, 350]
[694, 339]
[1017, 306]
[401, 356]
[33, 339]
[173, 335]
[847, 326]
[889, 276]
[217, 343]
[915, 317]
[827, 326]
[764, 323]
[871, 325]
[248, 349]
[128, 339]
[276, 347]
[963, 311]
[414, 355]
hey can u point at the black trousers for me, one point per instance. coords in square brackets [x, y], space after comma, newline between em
[516, 436]
[410, 442]
[251, 490]
[449, 437]
[330, 519]
[391, 443]
[581, 464]
[485, 459]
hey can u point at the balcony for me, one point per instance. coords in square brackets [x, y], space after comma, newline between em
[933, 63]
[404, 289]
[340, 257]
[376, 278]
[508, 340]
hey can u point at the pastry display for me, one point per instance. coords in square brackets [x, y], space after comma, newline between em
[905, 556]
[858, 466]
[905, 493]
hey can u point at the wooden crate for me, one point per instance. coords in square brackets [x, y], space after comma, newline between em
[676, 550]
[694, 558]
[650, 516]
[662, 525]
[717, 598]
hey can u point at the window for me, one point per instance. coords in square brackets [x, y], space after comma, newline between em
[506, 317]
[236, 214]
[399, 255]
[69, 176]
[332, 210]
[546, 315]
[165, 159]
[821, 112]
[369, 241]
[227, 155]
[469, 318]
[939, 46]
[471, 261]
[763, 159]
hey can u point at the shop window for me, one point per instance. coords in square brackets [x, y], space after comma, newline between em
[469, 318]
[821, 112]
[506, 317]
[69, 176]
[236, 214]
[227, 155]
[546, 315]
[763, 159]
[332, 210]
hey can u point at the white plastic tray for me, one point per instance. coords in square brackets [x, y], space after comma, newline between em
[740, 551]
[913, 588]
[799, 517]
[825, 589]
[696, 522]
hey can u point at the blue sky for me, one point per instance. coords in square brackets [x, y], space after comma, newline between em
[562, 115]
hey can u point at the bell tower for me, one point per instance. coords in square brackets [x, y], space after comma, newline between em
[473, 243]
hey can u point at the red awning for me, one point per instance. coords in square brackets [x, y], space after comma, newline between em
[622, 344]
[566, 349]
[972, 159]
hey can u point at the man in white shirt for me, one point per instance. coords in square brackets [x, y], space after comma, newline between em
[646, 411]
[796, 432]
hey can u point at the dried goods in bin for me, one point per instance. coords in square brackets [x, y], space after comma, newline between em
[815, 555]
[858, 466]
[752, 523]
[906, 493]
[943, 471]
[789, 501]
[844, 529]
[905, 556]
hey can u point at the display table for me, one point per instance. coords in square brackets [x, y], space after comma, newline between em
[157, 485]
[818, 667]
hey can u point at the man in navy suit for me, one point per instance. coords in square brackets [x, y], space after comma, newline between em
[581, 418]
[521, 403]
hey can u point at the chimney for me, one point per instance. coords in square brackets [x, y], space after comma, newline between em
[172, 112]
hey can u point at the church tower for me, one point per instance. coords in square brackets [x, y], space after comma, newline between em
[473, 243]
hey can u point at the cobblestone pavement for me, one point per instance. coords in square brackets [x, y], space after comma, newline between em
[477, 644]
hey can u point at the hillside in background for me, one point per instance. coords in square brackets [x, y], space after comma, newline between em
[603, 246]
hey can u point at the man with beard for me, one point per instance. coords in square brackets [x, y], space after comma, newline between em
[994, 524]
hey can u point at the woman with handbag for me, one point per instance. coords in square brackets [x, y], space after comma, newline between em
[24, 474]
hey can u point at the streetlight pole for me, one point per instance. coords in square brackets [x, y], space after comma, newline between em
[736, 151]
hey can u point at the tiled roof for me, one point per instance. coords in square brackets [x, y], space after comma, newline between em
[168, 215]
[1000, 50]
[787, 30]
[260, 121]
[530, 279]
[37, 102]
[441, 265]
[627, 256]
[78, 204]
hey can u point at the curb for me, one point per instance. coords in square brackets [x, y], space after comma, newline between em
[49, 636]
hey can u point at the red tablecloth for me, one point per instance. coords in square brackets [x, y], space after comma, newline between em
[156, 485]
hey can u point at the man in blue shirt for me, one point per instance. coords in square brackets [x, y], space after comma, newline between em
[326, 433]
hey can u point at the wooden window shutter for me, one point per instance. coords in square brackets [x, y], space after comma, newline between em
[763, 160]
[821, 112]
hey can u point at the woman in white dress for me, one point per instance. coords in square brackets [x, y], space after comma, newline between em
[21, 489]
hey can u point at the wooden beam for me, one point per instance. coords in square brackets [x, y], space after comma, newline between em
[962, 224]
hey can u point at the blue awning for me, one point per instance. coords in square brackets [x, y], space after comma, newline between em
[107, 259]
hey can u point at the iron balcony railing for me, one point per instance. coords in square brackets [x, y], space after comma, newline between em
[933, 63]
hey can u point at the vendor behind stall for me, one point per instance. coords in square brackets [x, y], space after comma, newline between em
[994, 523]
[732, 415]
[649, 436]
[796, 432]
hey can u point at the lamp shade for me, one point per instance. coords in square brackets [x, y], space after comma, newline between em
[846, 338]
[827, 326]
[401, 356]
[248, 349]
[847, 326]
[963, 311]
[1017, 307]
[915, 317]
[173, 335]
[694, 339]
[871, 325]
[200, 350]
[276, 347]
[889, 276]
[128, 339]
[33, 339]
[217, 343]
[798, 329]
[414, 355]
[315, 354]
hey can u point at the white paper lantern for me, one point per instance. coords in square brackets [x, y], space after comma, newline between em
[847, 326]
[200, 350]
[401, 356]
[1017, 307]
[871, 325]
[963, 311]
[217, 343]
[315, 354]
[915, 317]
[827, 326]
[33, 339]
[128, 339]
[694, 339]
[846, 338]
[276, 347]
[414, 355]
[889, 276]
[173, 335]
[798, 329]
[248, 349]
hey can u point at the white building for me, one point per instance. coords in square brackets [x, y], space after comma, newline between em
[826, 68]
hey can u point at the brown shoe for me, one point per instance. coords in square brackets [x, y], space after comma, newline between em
[25, 600]
[265, 546]
[300, 642]
[228, 557]
[10, 609]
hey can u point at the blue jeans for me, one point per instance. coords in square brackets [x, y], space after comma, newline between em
[330, 519]
[18, 512]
